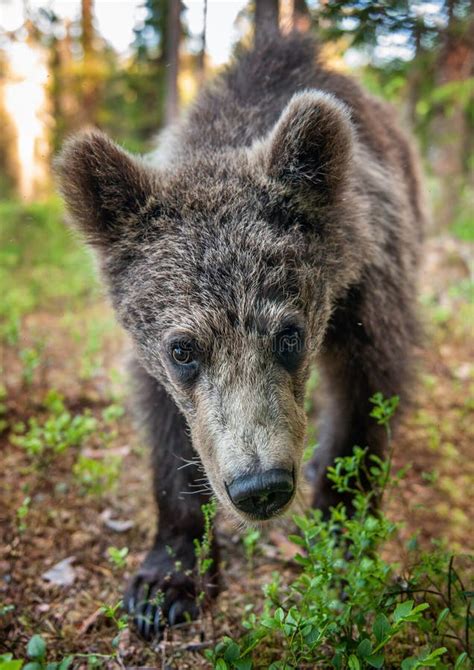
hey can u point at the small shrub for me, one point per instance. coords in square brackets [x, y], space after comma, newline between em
[31, 360]
[22, 513]
[119, 620]
[44, 439]
[97, 476]
[36, 652]
[203, 548]
[117, 557]
[251, 540]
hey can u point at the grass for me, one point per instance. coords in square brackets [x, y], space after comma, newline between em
[41, 264]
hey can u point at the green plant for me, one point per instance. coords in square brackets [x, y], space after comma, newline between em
[31, 360]
[112, 413]
[21, 514]
[36, 652]
[40, 263]
[97, 476]
[347, 608]
[203, 548]
[251, 540]
[44, 439]
[7, 662]
[3, 408]
[119, 620]
[117, 557]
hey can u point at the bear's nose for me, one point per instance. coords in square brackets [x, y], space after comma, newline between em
[264, 494]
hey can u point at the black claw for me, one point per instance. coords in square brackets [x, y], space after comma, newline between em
[145, 601]
[172, 613]
[157, 622]
[138, 622]
[182, 611]
[149, 618]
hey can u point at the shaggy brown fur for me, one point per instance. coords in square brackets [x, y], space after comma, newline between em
[279, 223]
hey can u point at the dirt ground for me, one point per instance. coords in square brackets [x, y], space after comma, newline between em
[63, 520]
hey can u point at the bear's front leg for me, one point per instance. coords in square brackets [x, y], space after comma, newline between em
[165, 589]
[368, 349]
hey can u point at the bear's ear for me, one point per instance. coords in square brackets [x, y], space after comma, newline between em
[311, 145]
[103, 186]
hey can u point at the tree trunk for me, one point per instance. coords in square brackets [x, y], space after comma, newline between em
[415, 75]
[87, 27]
[201, 62]
[301, 16]
[450, 127]
[89, 85]
[172, 60]
[266, 19]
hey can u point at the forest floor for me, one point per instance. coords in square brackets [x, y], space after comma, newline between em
[88, 490]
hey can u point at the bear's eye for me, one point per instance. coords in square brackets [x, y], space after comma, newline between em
[182, 353]
[288, 347]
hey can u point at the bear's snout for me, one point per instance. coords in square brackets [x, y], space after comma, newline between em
[262, 495]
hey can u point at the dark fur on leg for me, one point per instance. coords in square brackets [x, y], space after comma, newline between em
[164, 590]
[365, 352]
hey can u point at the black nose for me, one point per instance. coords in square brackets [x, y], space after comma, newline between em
[262, 495]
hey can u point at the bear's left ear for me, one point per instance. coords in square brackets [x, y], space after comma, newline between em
[103, 186]
[311, 145]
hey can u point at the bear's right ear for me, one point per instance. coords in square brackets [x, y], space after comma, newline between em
[311, 145]
[103, 186]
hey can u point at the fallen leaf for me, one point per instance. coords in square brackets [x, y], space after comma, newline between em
[90, 621]
[118, 525]
[61, 574]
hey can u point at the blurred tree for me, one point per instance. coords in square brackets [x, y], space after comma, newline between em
[294, 15]
[173, 39]
[90, 74]
[201, 59]
[266, 18]
[146, 76]
[419, 54]
[301, 16]
[8, 159]
[452, 107]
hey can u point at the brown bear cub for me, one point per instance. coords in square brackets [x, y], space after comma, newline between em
[279, 224]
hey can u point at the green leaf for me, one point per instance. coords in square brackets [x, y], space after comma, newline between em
[409, 663]
[10, 664]
[36, 647]
[381, 627]
[402, 610]
[442, 616]
[460, 661]
[431, 659]
[279, 615]
[243, 664]
[353, 662]
[297, 539]
[232, 652]
[375, 661]
[337, 661]
[364, 649]
[221, 665]
[33, 666]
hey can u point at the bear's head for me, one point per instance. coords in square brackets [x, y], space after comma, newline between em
[224, 267]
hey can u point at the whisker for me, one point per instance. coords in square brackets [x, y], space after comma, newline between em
[191, 493]
[187, 464]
